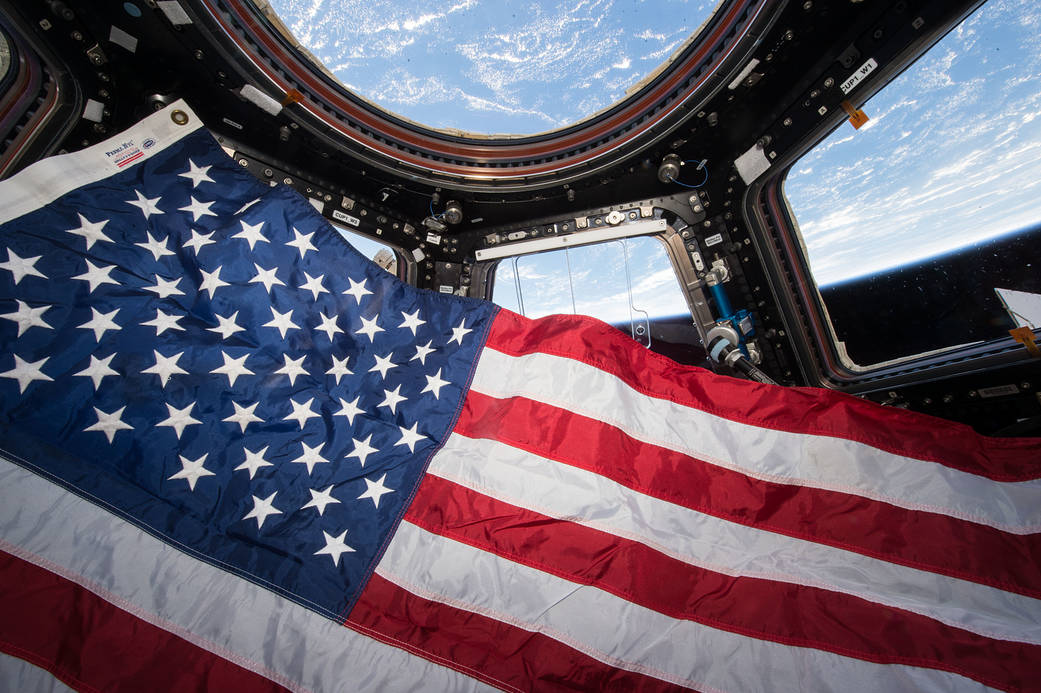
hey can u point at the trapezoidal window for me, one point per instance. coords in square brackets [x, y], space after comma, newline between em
[629, 283]
[923, 228]
[380, 253]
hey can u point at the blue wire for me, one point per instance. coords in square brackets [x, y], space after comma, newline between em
[703, 168]
[435, 216]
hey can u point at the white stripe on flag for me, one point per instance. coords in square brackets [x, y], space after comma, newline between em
[629, 636]
[23, 677]
[825, 462]
[217, 611]
[565, 492]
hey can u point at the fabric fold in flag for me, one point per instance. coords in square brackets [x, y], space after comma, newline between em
[227, 435]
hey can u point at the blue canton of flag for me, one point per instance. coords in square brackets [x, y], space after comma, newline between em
[207, 357]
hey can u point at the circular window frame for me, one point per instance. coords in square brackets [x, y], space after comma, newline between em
[481, 162]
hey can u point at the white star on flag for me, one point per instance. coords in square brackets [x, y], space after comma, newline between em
[179, 419]
[301, 412]
[109, 424]
[98, 369]
[211, 281]
[328, 325]
[97, 275]
[422, 352]
[147, 206]
[320, 499]
[266, 277]
[226, 326]
[254, 461]
[192, 470]
[164, 367]
[198, 209]
[164, 322]
[349, 409]
[101, 323]
[20, 267]
[197, 174]
[283, 322]
[233, 368]
[311, 456]
[243, 416]
[27, 317]
[412, 321]
[391, 399]
[383, 364]
[375, 490]
[334, 547]
[292, 368]
[370, 328]
[302, 242]
[251, 233]
[362, 449]
[459, 332]
[357, 289]
[156, 247]
[339, 368]
[165, 287]
[198, 241]
[314, 285]
[434, 384]
[25, 372]
[410, 436]
[90, 231]
[262, 508]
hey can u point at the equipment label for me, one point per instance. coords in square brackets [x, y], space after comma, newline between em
[346, 218]
[998, 391]
[855, 79]
[713, 240]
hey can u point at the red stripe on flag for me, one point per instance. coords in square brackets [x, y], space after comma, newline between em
[91, 644]
[810, 411]
[914, 538]
[494, 652]
[781, 612]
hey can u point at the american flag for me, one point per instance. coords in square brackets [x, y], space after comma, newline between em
[237, 455]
